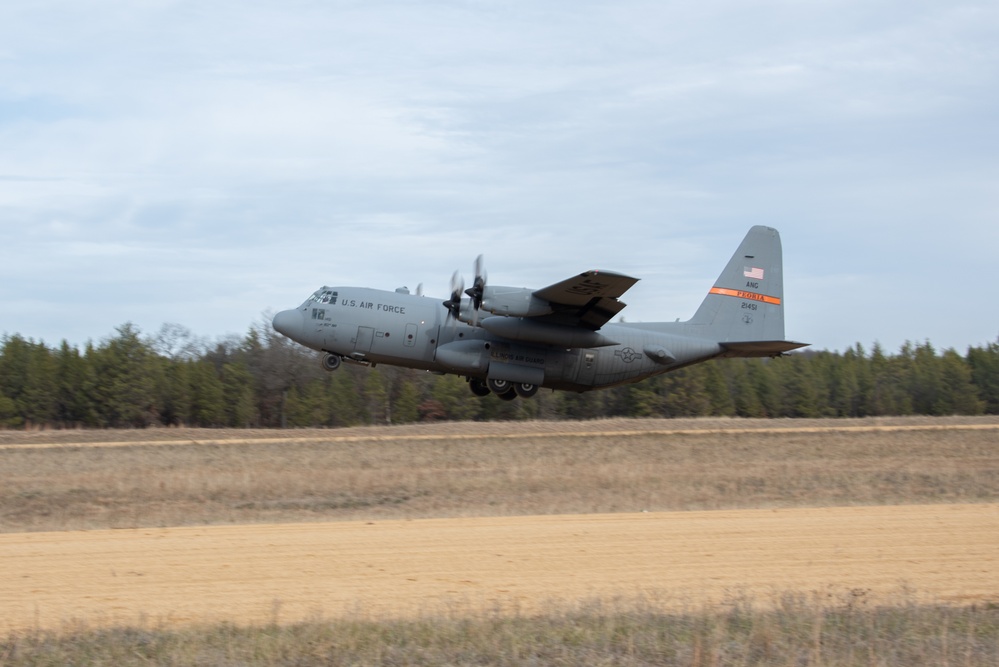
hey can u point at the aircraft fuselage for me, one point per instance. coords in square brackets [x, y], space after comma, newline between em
[401, 329]
[510, 340]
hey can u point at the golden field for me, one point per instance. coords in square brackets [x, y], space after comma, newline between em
[473, 523]
[69, 480]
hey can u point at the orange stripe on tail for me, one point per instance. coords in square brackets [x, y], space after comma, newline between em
[749, 296]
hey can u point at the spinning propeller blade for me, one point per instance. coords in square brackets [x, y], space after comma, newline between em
[477, 288]
[453, 304]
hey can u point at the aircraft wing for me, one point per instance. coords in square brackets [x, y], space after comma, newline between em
[588, 300]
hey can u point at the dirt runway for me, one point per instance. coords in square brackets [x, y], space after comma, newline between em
[291, 572]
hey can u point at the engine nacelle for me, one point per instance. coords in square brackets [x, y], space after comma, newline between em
[513, 302]
[466, 312]
[465, 355]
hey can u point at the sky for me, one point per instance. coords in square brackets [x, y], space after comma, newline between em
[205, 164]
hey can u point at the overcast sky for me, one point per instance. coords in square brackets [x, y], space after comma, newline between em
[202, 163]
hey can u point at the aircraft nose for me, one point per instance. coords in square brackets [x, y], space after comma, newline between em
[288, 322]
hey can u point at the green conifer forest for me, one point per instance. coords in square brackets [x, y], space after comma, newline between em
[134, 380]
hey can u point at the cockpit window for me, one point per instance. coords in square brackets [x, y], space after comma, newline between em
[324, 296]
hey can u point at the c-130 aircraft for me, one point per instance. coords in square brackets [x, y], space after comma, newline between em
[511, 341]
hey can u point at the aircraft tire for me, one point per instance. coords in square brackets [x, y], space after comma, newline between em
[526, 390]
[331, 362]
[508, 395]
[478, 387]
[499, 387]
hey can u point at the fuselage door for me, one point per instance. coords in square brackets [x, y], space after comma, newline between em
[410, 339]
[587, 366]
[363, 341]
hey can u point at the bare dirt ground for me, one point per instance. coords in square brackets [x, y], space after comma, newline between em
[410, 562]
[290, 572]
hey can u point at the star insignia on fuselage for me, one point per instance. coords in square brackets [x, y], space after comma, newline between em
[628, 355]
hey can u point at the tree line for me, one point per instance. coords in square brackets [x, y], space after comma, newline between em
[173, 378]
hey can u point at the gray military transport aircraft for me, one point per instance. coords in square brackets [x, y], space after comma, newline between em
[511, 341]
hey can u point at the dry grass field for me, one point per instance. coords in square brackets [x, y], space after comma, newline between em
[69, 480]
[688, 542]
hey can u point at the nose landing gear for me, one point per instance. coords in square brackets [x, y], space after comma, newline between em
[331, 362]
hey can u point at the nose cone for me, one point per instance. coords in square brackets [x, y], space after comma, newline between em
[289, 322]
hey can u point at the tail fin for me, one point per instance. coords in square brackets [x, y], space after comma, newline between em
[745, 309]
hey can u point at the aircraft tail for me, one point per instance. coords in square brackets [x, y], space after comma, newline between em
[744, 311]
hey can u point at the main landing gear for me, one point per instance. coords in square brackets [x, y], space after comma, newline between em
[504, 389]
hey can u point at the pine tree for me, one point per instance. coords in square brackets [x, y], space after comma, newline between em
[207, 394]
[39, 402]
[765, 382]
[15, 362]
[345, 399]
[888, 395]
[126, 377]
[843, 382]
[642, 400]
[685, 394]
[925, 381]
[745, 399]
[406, 402]
[959, 395]
[175, 393]
[75, 387]
[455, 398]
[237, 392]
[10, 416]
[720, 395]
[376, 398]
[984, 364]
[799, 390]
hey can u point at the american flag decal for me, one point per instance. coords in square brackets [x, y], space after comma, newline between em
[753, 272]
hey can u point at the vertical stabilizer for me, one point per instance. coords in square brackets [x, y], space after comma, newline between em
[746, 304]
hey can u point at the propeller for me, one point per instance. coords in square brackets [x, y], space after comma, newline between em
[419, 290]
[479, 286]
[453, 304]
[474, 293]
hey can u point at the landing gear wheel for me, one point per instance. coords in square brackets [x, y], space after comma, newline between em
[508, 395]
[525, 390]
[478, 387]
[499, 387]
[331, 362]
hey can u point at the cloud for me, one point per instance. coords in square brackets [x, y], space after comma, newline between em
[198, 163]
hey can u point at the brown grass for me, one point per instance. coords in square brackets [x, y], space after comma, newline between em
[90, 479]
[793, 630]
[63, 480]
